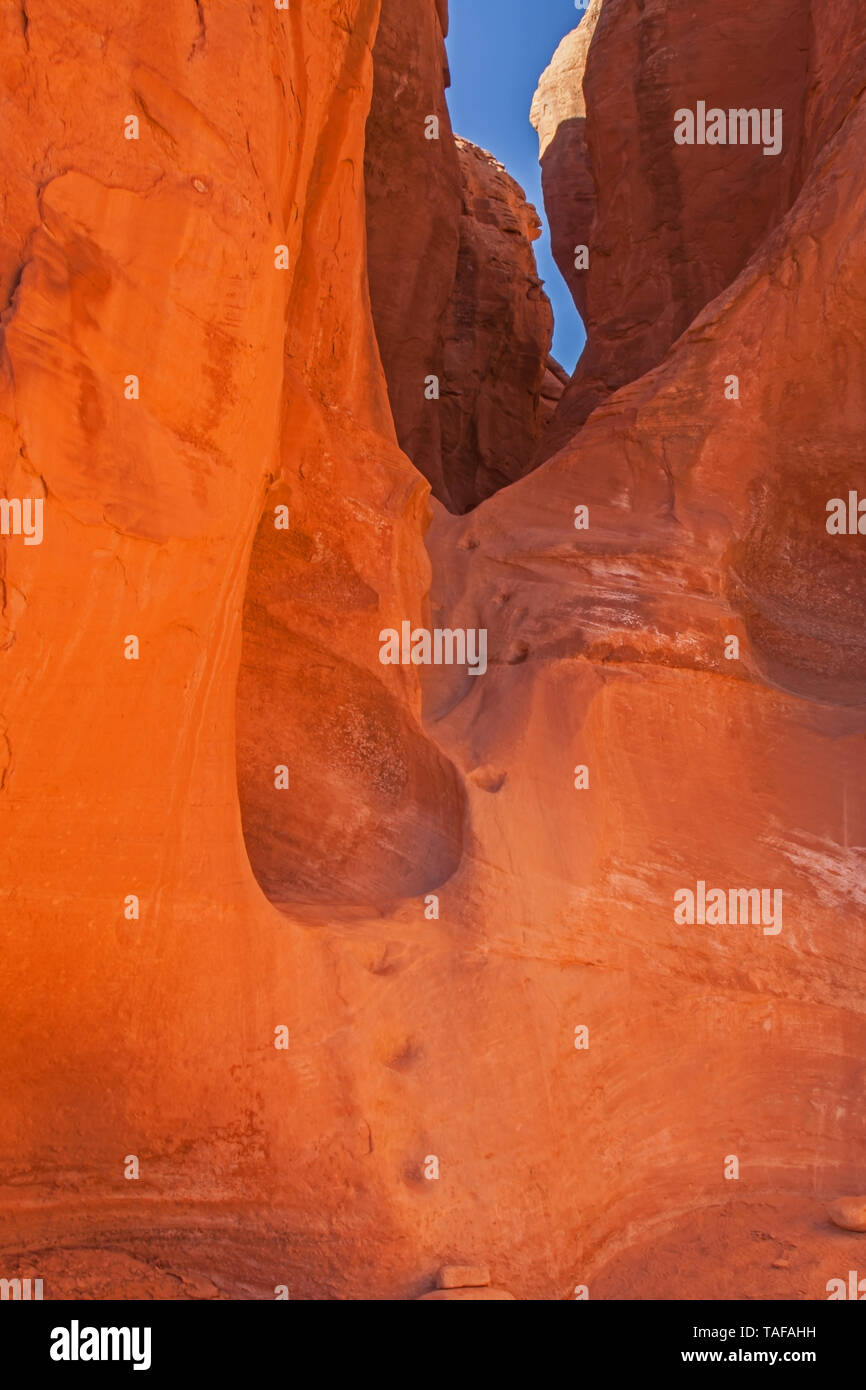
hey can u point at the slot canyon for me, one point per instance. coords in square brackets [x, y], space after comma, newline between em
[376, 969]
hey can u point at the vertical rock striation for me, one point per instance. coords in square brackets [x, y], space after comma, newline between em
[453, 281]
[668, 227]
[498, 332]
[413, 199]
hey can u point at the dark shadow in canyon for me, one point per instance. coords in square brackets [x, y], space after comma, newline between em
[463, 324]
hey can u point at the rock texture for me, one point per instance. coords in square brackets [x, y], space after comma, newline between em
[668, 226]
[553, 384]
[454, 285]
[465, 1284]
[341, 1026]
[133, 928]
[707, 519]
[467, 1296]
[414, 197]
[498, 332]
[849, 1213]
[463, 1277]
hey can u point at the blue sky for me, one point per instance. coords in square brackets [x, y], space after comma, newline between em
[497, 50]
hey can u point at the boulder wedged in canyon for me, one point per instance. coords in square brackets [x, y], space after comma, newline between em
[345, 1095]
[454, 286]
[553, 384]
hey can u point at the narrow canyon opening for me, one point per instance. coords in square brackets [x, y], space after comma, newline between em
[464, 330]
[373, 812]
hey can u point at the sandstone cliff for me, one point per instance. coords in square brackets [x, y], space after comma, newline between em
[706, 482]
[667, 227]
[463, 324]
[413, 201]
[156, 248]
[498, 331]
[286, 1001]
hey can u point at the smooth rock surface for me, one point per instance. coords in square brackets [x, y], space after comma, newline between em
[462, 1277]
[849, 1213]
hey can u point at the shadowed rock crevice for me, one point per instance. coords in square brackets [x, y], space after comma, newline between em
[463, 324]
[373, 814]
[498, 331]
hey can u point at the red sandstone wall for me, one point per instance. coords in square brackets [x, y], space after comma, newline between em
[666, 234]
[414, 1036]
[462, 321]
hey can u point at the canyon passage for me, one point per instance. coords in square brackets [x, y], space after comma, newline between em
[392, 870]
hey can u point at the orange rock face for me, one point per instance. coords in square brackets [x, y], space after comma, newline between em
[327, 974]
[697, 760]
[134, 929]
